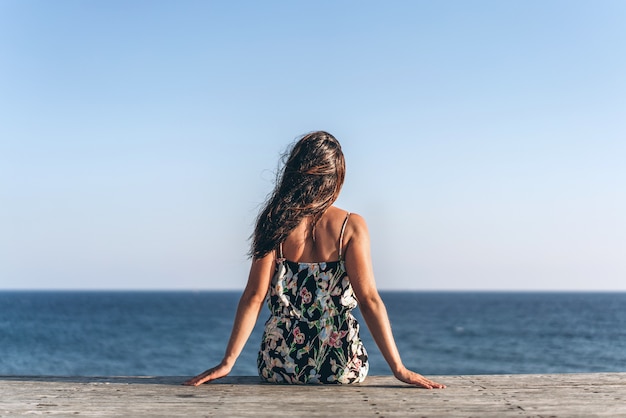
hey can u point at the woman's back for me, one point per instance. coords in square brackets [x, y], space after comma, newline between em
[310, 244]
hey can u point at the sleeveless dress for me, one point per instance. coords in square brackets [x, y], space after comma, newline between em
[311, 335]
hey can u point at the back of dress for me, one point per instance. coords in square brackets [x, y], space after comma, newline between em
[311, 335]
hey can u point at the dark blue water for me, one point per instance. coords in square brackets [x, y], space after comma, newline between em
[182, 333]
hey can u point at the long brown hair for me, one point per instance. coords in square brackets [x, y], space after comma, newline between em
[307, 185]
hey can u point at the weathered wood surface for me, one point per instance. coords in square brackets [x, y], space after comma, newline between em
[562, 395]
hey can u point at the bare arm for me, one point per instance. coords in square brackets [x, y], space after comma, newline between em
[248, 311]
[359, 269]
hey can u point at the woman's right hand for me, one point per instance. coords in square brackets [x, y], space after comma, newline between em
[407, 376]
[213, 373]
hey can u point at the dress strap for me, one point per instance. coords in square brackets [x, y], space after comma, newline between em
[280, 251]
[343, 228]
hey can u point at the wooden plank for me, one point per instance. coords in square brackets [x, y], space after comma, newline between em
[562, 395]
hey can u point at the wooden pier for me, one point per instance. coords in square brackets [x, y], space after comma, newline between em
[553, 395]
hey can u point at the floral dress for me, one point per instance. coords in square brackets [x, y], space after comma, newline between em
[311, 335]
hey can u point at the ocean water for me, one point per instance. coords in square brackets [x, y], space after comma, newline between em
[183, 333]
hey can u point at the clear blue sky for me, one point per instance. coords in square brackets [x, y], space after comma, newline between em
[485, 140]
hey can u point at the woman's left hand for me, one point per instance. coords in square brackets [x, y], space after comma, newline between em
[214, 373]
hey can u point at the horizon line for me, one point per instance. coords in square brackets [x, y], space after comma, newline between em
[237, 290]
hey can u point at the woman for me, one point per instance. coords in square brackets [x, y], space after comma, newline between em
[311, 261]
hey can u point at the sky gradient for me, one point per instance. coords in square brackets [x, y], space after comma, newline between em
[485, 140]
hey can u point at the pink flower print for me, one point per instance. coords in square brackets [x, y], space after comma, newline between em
[305, 295]
[335, 338]
[298, 336]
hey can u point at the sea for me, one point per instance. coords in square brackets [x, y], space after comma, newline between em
[113, 333]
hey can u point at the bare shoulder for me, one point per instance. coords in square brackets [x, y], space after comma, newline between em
[338, 216]
[356, 228]
[357, 221]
